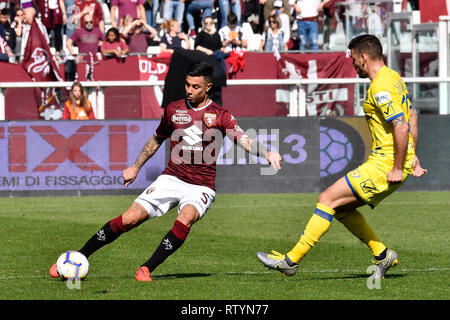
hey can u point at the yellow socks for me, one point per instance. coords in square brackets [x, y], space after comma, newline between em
[354, 221]
[317, 225]
[320, 222]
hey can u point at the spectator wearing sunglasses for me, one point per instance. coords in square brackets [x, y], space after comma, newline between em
[88, 7]
[273, 38]
[88, 39]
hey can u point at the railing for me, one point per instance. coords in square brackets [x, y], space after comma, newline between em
[297, 91]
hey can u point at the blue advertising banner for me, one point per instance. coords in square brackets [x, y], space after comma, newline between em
[74, 155]
[88, 157]
[316, 152]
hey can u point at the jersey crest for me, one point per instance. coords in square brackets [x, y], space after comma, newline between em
[209, 119]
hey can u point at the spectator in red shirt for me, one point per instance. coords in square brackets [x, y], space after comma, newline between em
[91, 7]
[88, 39]
[135, 8]
[114, 46]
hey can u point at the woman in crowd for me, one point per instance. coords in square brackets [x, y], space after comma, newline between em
[273, 38]
[125, 22]
[17, 25]
[173, 38]
[77, 107]
[208, 41]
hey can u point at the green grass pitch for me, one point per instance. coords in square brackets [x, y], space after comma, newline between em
[217, 261]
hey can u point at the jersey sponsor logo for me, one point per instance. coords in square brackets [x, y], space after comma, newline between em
[193, 146]
[181, 118]
[388, 109]
[367, 186]
[193, 135]
[382, 97]
[210, 119]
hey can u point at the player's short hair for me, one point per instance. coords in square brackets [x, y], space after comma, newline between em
[200, 69]
[367, 44]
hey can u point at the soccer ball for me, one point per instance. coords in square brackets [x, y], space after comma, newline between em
[72, 265]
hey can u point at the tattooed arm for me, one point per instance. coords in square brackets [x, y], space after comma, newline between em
[401, 136]
[149, 149]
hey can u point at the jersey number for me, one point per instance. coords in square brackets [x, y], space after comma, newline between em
[205, 197]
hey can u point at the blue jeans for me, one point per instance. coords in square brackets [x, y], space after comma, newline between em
[224, 7]
[174, 9]
[308, 32]
[196, 6]
[151, 14]
[70, 26]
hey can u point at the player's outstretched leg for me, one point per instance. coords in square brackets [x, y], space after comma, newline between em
[173, 240]
[133, 217]
[355, 223]
[315, 228]
[107, 234]
[384, 258]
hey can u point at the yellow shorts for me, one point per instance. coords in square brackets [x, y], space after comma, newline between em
[369, 182]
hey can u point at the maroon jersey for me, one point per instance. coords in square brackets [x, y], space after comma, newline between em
[196, 136]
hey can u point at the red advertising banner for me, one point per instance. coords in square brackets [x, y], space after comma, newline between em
[241, 101]
[333, 99]
[131, 102]
[151, 97]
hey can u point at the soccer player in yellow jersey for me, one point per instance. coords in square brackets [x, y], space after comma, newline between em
[393, 126]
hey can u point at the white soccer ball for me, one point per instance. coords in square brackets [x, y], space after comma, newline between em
[72, 265]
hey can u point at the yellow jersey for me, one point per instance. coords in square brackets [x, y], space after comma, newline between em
[387, 99]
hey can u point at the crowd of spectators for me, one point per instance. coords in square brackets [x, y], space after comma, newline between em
[117, 28]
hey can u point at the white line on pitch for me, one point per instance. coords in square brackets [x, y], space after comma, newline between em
[247, 273]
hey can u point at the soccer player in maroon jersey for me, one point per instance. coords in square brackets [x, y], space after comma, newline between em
[196, 127]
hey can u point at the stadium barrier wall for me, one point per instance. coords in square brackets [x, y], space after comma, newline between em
[144, 102]
[87, 157]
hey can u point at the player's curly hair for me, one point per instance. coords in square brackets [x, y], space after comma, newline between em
[368, 44]
[200, 69]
